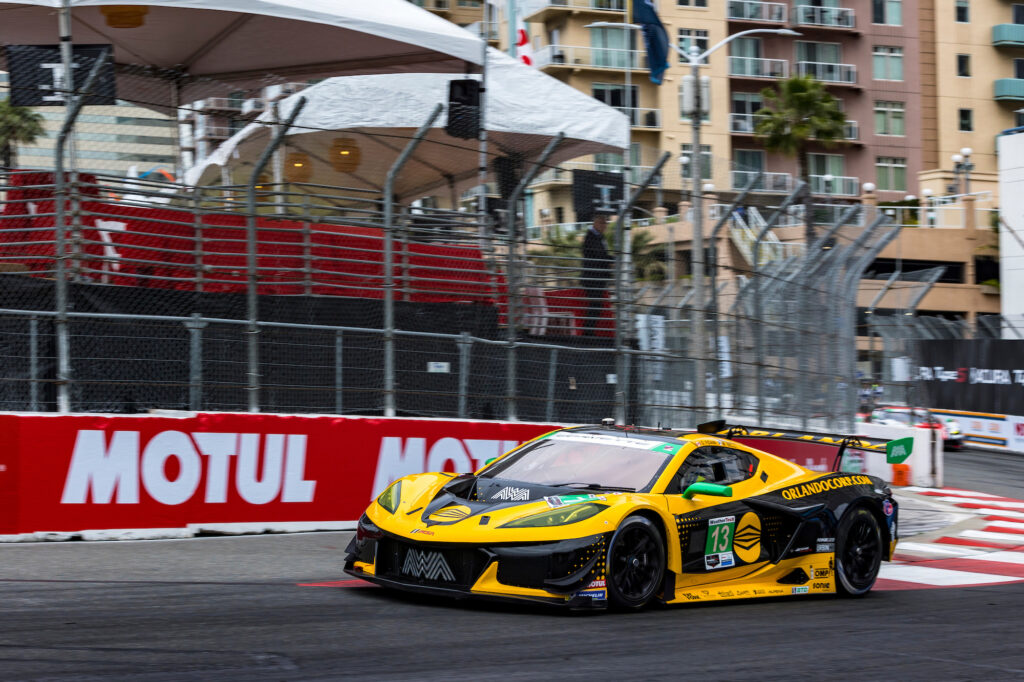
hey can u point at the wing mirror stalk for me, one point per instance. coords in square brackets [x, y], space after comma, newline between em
[707, 489]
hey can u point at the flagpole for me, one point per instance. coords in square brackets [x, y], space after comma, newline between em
[513, 27]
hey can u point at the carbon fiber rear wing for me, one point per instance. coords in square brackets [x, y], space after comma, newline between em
[742, 434]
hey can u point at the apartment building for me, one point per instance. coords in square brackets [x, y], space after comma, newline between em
[972, 77]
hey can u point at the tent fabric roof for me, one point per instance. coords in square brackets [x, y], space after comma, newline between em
[524, 109]
[242, 42]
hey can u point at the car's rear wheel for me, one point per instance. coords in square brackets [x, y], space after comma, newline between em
[635, 564]
[858, 552]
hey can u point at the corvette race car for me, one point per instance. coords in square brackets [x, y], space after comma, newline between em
[599, 516]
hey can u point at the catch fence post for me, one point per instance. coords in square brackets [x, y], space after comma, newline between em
[465, 356]
[33, 363]
[195, 361]
[339, 393]
[552, 377]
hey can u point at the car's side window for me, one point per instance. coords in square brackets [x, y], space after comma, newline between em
[713, 464]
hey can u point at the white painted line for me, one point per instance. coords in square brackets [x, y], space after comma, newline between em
[998, 512]
[946, 491]
[912, 573]
[1002, 557]
[934, 549]
[978, 500]
[1001, 537]
[1007, 525]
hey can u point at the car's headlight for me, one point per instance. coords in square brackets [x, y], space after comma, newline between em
[557, 517]
[389, 498]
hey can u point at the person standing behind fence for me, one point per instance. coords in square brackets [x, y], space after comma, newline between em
[597, 270]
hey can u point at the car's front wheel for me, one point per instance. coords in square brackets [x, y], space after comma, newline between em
[858, 552]
[635, 564]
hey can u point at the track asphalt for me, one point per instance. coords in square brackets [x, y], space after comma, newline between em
[240, 609]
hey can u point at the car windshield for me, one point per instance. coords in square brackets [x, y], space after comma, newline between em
[902, 416]
[595, 460]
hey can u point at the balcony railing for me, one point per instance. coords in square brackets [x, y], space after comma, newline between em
[830, 17]
[756, 67]
[213, 133]
[851, 131]
[743, 123]
[253, 107]
[749, 10]
[1009, 88]
[436, 5]
[837, 185]
[1008, 35]
[828, 72]
[575, 5]
[768, 182]
[592, 57]
[211, 104]
[642, 118]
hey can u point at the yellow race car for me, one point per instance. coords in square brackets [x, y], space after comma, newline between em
[599, 516]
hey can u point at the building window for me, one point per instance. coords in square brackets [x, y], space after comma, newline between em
[1018, 14]
[692, 3]
[963, 12]
[699, 38]
[963, 65]
[887, 12]
[1018, 68]
[705, 161]
[966, 120]
[887, 63]
[613, 47]
[559, 214]
[891, 173]
[889, 118]
[1018, 119]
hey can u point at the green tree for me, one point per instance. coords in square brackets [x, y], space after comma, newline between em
[18, 125]
[798, 113]
[648, 259]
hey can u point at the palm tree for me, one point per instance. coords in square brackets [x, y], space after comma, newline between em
[648, 259]
[799, 112]
[18, 125]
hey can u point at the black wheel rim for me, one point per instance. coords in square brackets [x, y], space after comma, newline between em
[635, 564]
[862, 553]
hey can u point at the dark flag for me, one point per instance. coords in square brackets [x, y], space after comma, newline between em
[655, 37]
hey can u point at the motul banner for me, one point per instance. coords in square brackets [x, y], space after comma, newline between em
[74, 473]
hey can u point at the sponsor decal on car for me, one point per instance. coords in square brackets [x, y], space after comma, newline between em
[823, 546]
[720, 560]
[421, 531]
[429, 565]
[563, 500]
[823, 485]
[747, 541]
[887, 507]
[593, 594]
[512, 494]
[822, 573]
[801, 589]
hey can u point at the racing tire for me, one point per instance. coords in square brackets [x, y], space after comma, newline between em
[858, 552]
[635, 564]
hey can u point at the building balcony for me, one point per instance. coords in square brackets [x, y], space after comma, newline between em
[485, 29]
[556, 57]
[837, 186]
[279, 91]
[649, 119]
[759, 12]
[746, 124]
[563, 174]
[554, 8]
[1010, 88]
[218, 105]
[756, 67]
[1008, 35]
[439, 6]
[780, 183]
[851, 131]
[253, 107]
[213, 133]
[827, 72]
[825, 17]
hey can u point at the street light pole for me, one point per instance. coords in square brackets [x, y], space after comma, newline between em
[700, 341]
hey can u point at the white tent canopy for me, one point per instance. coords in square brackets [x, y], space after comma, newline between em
[524, 109]
[250, 43]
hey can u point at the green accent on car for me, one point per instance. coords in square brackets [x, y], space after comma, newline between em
[701, 488]
[558, 517]
[667, 448]
[389, 498]
[898, 451]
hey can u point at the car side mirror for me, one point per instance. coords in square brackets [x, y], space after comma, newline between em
[703, 488]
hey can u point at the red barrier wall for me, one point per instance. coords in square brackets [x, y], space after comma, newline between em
[90, 472]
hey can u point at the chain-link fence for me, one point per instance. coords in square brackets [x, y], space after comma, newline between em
[355, 272]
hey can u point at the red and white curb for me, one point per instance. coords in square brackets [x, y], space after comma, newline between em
[993, 554]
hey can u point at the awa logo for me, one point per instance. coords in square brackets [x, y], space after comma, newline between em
[428, 565]
[113, 469]
[512, 494]
[399, 457]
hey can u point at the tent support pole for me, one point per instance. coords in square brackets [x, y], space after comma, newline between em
[252, 299]
[389, 260]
